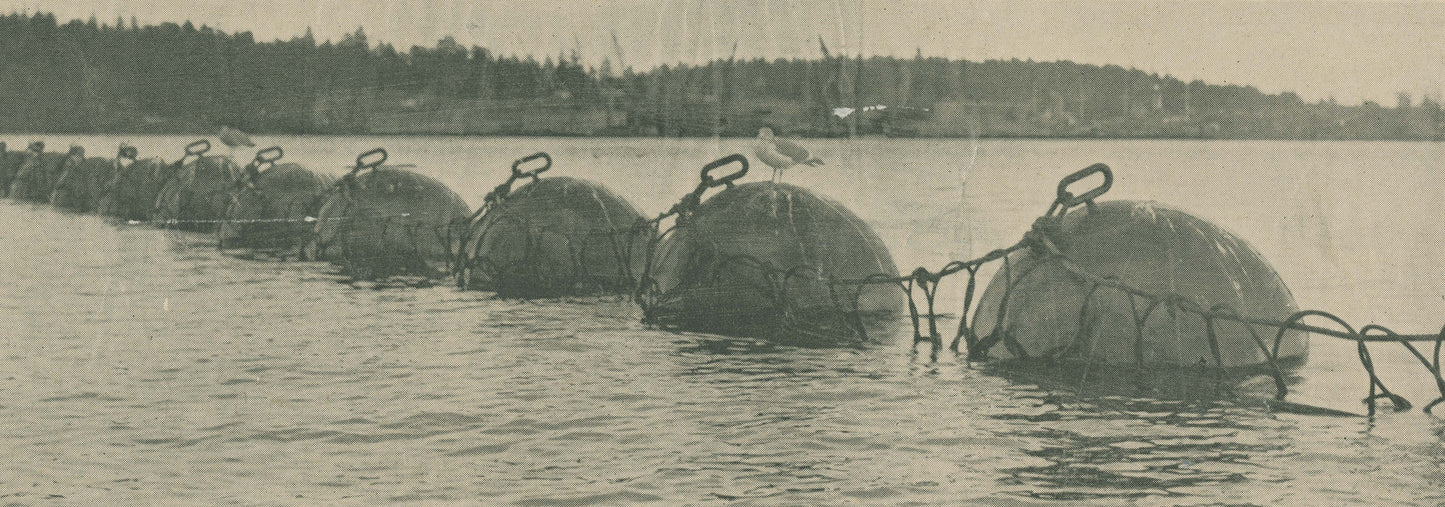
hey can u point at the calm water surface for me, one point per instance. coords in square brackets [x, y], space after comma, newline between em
[144, 367]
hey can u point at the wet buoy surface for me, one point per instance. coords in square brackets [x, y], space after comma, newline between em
[197, 195]
[81, 185]
[131, 193]
[1153, 248]
[9, 164]
[388, 221]
[39, 172]
[275, 207]
[552, 237]
[754, 260]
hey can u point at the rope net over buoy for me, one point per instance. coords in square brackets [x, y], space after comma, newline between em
[10, 162]
[1104, 284]
[273, 206]
[196, 195]
[1091, 285]
[131, 192]
[760, 259]
[556, 236]
[40, 170]
[82, 185]
[387, 222]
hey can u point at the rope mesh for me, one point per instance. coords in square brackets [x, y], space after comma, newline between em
[786, 318]
[543, 240]
[1040, 241]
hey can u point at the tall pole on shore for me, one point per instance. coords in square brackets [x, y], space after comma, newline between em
[856, 118]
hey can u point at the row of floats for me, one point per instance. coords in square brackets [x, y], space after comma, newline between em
[753, 259]
[531, 236]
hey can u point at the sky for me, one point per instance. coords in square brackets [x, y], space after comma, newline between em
[1351, 51]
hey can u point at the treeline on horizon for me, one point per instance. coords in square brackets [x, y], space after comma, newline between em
[87, 76]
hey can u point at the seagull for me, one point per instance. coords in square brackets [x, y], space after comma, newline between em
[234, 138]
[781, 153]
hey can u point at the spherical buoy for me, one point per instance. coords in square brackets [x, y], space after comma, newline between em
[388, 221]
[9, 164]
[131, 193]
[40, 171]
[552, 237]
[769, 260]
[1049, 312]
[196, 196]
[274, 208]
[82, 184]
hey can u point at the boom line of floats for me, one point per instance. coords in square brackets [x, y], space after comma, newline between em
[1119, 283]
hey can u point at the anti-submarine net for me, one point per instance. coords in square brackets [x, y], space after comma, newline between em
[549, 237]
[755, 259]
[635, 249]
[1277, 341]
[382, 221]
[1041, 242]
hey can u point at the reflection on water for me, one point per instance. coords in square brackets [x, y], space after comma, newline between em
[1133, 448]
[146, 367]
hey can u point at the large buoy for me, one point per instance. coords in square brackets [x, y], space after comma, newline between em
[132, 190]
[196, 195]
[9, 164]
[82, 184]
[38, 173]
[388, 221]
[1155, 249]
[551, 237]
[273, 208]
[769, 260]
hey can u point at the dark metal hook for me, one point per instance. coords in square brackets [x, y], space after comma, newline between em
[708, 181]
[362, 163]
[516, 166]
[1067, 200]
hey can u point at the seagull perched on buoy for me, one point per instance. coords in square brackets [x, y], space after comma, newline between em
[234, 138]
[782, 153]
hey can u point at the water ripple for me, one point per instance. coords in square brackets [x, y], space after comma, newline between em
[145, 367]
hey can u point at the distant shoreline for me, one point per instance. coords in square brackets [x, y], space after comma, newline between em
[180, 79]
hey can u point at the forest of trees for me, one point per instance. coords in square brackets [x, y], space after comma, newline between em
[90, 76]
